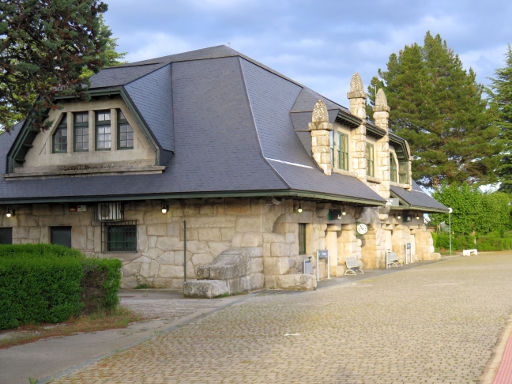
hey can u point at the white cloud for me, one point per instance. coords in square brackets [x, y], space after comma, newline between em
[158, 44]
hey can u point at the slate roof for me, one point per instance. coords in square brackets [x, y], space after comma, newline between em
[229, 123]
[418, 199]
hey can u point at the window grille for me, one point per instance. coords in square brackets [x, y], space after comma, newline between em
[120, 236]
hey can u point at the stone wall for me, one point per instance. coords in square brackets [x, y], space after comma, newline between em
[216, 225]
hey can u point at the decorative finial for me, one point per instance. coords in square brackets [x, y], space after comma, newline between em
[356, 84]
[320, 114]
[380, 98]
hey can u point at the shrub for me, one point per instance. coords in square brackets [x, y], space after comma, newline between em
[39, 250]
[50, 283]
[101, 283]
[38, 289]
[491, 242]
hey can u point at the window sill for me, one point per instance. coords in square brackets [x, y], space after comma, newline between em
[405, 186]
[343, 172]
[373, 179]
[86, 172]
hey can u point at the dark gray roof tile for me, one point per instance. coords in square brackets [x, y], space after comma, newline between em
[152, 95]
[416, 198]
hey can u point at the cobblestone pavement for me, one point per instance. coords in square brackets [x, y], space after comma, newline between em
[436, 323]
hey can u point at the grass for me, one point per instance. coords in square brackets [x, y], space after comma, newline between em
[99, 321]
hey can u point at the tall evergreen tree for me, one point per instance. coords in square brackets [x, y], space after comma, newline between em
[501, 96]
[45, 47]
[438, 107]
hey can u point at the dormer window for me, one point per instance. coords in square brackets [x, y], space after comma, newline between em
[60, 137]
[81, 131]
[103, 131]
[124, 132]
[370, 160]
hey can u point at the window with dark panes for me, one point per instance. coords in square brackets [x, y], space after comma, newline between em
[81, 131]
[122, 238]
[5, 235]
[124, 132]
[60, 137]
[103, 131]
[302, 239]
[61, 236]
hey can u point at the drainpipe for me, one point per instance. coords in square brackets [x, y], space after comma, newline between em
[184, 251]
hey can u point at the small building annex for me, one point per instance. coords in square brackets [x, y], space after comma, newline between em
[177, 161]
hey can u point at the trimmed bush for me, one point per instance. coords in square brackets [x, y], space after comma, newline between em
[38, 250]
[36, 289]
[101, 283]
[490, 242]
[42, 283]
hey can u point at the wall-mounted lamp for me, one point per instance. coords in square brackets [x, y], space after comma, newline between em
[343, 213]
[417, 217]
[10, 213]
[398, 217]
[165, 207]
[300, 208]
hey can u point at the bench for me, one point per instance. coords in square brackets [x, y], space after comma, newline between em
[468, 252]
[353, 266]
[392, 259]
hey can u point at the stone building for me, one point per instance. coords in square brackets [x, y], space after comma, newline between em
[206, 157]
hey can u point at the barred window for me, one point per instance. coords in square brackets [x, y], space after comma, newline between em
[103, 131]
[81, 132]
[60, 137]
[124, 132]
[121, 238]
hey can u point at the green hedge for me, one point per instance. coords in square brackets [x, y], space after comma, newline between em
[39, 250]
[101, 283]
[489, 242]
[50, 283]
[35, 289]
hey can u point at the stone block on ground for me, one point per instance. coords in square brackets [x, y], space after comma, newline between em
[297, 282]
[205, 288]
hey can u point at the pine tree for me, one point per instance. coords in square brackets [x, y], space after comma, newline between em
[45, 47]
[501, 96]
[438, 108]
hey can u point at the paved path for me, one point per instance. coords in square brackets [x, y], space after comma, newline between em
[437, 323]
[53, 356]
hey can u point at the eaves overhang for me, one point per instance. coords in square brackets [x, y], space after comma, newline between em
[347, 118]
[197, 195]
[404, 205]
[403, 151]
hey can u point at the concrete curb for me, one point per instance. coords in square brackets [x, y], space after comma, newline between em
[492, 368]
[180, 323]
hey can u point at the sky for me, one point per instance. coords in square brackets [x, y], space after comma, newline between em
[319, 44]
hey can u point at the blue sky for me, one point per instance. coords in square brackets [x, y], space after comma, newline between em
[317, 43]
